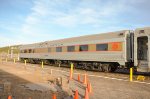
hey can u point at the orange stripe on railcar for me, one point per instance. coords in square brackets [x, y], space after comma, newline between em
[115, 46]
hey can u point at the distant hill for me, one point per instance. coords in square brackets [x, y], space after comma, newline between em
[8, 49]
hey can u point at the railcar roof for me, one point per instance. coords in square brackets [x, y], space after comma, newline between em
[84, 37]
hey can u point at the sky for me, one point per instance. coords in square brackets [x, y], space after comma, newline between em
[30, 21]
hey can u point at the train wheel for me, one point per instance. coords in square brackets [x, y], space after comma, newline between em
[106, 68]
[109, 68]
[100, 68]
[113, 67]
[103, 68]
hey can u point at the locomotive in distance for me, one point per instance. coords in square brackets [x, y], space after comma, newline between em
[103, 52]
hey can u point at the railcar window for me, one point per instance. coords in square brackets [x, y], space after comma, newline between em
[25, 51]
[30, 50]
[101, 47]
[83, 48]
[141, 31]
[49, 49]
[58, 49]
[71, 48]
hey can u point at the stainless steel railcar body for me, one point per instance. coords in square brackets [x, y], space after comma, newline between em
[121, 47]
[116, 48]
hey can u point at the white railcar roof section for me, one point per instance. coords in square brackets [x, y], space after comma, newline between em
[85, 38]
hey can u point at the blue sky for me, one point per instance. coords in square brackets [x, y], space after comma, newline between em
[29, 21]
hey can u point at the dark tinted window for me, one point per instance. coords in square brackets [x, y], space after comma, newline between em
[71, 48]
[49, 49]
[141, 31]
[83, 48]
[30, 50]
[101, 47]
[58, 49]
[25, 51]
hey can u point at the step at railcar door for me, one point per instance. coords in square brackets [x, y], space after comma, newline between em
[142, 49]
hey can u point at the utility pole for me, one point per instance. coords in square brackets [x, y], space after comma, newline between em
[12, 48]
[8, 53]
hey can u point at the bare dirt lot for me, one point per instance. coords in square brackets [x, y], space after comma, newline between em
[33, 82]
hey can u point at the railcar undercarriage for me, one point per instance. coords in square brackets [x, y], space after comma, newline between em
[85, 65]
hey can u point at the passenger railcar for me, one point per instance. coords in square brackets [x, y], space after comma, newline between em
[103, 52]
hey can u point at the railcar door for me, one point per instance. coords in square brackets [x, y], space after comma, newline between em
[142, 53]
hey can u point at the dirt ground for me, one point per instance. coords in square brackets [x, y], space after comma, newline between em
[22, 82]
[28, 83]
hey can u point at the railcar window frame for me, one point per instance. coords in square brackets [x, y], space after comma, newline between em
[83, 47]
[58, 49]
[102, 47]
[70, 48]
